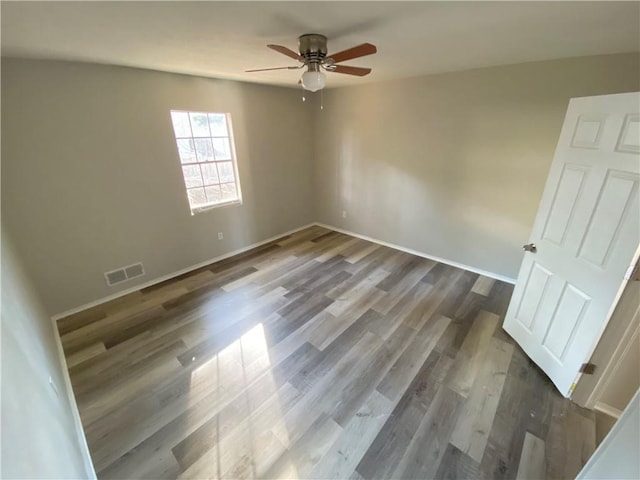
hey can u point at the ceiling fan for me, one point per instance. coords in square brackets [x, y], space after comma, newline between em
[313, 56]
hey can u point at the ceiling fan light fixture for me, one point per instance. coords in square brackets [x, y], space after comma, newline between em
[313, 81]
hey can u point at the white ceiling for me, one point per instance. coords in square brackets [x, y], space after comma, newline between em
[222, 39]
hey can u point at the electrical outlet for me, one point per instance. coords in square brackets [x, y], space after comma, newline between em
[220, 235]
[344, 214]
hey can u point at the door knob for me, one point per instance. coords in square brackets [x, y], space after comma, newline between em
[530, 247]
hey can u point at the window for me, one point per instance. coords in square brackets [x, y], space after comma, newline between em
[207, 157]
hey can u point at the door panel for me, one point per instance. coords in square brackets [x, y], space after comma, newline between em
[587, 233]
[571, 308]
[536, 287]
[616, 197]
[630, 137]
[588, 131]
[564, 203]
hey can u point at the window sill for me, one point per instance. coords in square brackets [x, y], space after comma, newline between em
[208, 208]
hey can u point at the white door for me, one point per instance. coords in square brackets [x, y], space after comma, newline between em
[586, 237]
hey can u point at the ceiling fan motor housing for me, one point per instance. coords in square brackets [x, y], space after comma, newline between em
[313, 48]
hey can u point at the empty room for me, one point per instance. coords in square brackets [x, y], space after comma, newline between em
[320, 240]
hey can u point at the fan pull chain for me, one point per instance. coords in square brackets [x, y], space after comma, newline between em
[321, 101]
[304, 99]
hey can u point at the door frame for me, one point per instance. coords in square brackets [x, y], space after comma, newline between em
[625, 319]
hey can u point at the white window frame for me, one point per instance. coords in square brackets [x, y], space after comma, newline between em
[198, 162]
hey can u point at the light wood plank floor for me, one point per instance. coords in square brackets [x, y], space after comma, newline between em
[318, 356]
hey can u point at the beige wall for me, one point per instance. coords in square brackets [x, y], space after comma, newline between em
[616, 458]
[91, 180]
[41, 434]
[453, 165]
[616, 357]
[450, 165]
[625, 380]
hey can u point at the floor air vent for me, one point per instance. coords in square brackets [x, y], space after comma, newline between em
[123, 274]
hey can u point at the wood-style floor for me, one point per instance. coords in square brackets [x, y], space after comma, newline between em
[318, 356]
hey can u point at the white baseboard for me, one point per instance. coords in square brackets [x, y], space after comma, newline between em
[169, 276]
[607, 409]
[71, 398]
[479, 271]
[190, 268]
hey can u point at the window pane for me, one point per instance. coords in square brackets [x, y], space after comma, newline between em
[229, 191]
[199, 124]
[225, 170]
[192, 176]
[210, 174]
[204, 149]
[181, 124]
[197, 197]
[213, 194]
[221, 148]
[207, 158]
[186, 150]
[218, 124]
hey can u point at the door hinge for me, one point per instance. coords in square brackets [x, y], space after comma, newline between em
[633, 272]
[588, 368]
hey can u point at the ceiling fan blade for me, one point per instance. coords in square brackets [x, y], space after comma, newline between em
[286, 51]
[359, 71]
[274, 68]
[355, 52]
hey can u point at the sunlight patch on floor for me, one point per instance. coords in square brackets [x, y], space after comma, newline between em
[242, 376]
